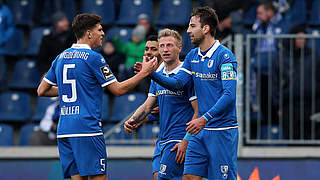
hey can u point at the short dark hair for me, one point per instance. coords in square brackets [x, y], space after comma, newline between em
[83, 22]
[268, 5]
[207, 16]
[152, 38]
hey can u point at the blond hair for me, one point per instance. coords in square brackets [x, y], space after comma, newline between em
[168, 32]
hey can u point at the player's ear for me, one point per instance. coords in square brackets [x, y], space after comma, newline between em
[206, 28]
[88, 32]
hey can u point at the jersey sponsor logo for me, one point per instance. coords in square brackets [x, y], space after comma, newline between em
[224, 170]
[69, 110]
[206, 76]
[163, 168]
[210, 63]
[228, 72]
[106, 72]
[170, 93]
[195, 61]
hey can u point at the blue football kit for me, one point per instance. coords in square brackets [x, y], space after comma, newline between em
[175, 111]
[213, 152]
[80, 75]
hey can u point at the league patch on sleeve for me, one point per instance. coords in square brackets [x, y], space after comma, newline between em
[106, 72]
[228, 72]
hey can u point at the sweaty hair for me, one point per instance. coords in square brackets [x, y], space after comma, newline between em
[83, 22]
[168, 32]
[152, 38]
[207, 16]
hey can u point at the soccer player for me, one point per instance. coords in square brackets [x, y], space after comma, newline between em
[176, 108]
[212, 149]
[78, 76]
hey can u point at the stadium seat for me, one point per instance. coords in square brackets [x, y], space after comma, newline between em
[174, 12]
[69, 9]
[105, 107]
[15, 45]
[46, 12]
[297, 13]
[14, 106]
[249, 17]
[131, 9]
[104, 8]
[117, 134]
[35, 40]
[41, 107]
[186, 44]
[22, 11]
[149, 131]
[315, 13]
[6, 135]
[26, 75]
[3, 74]
[25, 133]
[124, 33]
[126, 104]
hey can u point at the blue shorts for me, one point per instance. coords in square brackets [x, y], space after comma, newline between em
[169, 169]
[82, 155]
[156, 158]
[213, 154]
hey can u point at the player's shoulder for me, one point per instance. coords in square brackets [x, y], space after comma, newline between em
[192, 53]
[225, 54]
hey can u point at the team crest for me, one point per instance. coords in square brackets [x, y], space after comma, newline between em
[102, 60]
[163, 168]
[210, 63]
[224, 170]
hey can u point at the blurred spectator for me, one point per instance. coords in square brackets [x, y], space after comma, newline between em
[6, 25]
[59, 39]
[297, 86]
[46, 135]
[224, 26]
[113, 58]
[145, 22]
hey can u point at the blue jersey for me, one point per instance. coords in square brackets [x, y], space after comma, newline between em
[80, 75]
[175, 109]
[215, 78]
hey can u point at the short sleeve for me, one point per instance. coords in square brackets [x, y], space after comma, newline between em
[228, 66]
[50, 77]
[190, 91]
[186, 67]
[152, 89]
[101, 70]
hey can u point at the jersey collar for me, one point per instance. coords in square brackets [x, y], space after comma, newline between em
[210, 52]
[174, 71]
[80, 46]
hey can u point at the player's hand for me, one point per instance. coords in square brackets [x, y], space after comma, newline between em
[196, 125]
[129, 125]
[155, 110]
[181, 148]
[148, 66]
[137, 67]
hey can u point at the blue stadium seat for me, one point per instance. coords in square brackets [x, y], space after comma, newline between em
[26, 75]
[117, 134]
[124, 33]
[25, 133]
[15, 45]
[315, 13]
[6, 135]
[126, 104]
[131, 9]
[186, 44]
[104, 8]
[249, 17]
[41, 107]
[297, 13]
[69, 9]
[22, 11]
[174, 12]
[315, 31]
[14, 106]
[105, 107]
[149, 131]
[3, 75]
[35, 40]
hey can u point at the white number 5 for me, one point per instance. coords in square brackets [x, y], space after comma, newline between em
[69, 81]
[103, 165]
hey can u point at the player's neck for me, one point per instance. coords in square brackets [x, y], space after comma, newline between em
[206, 43]
[173, 65]
[84, 41]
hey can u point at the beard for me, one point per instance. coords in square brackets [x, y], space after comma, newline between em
[197, 41]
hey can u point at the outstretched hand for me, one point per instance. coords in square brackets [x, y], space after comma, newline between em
[196, 125]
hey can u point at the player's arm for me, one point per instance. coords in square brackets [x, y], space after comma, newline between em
[46, 89]
[140, 115]
[120, 88]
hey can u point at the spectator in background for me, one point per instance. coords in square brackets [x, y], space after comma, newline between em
[296, 83]
[224, 26]
[145, 22]
[46, 135]
[6, 25]
[113, 58]
[59, 39]
[133, 50]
